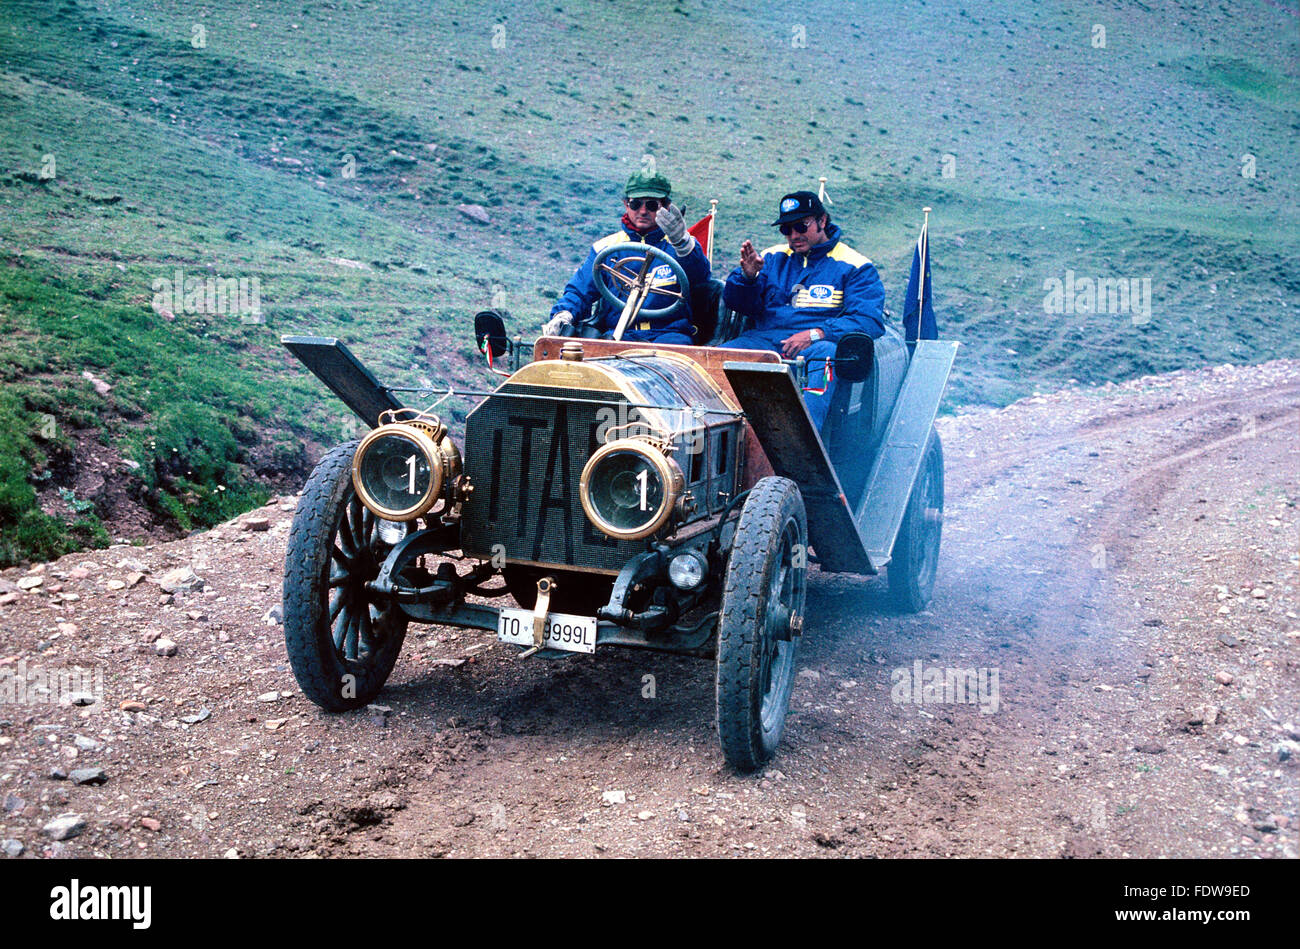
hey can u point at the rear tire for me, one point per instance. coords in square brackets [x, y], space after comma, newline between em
[916, 552]
[342, 647]
[764, 587]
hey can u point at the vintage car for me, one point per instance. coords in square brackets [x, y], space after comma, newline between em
[620, 494]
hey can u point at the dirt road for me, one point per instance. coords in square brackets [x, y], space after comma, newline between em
[1119, 568]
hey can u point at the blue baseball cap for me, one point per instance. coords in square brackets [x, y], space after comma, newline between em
[798, 205]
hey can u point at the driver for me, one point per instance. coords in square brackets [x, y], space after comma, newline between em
[805, 294]
[649, 217]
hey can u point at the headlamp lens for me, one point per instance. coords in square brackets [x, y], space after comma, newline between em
[626, 490]
[395, 472]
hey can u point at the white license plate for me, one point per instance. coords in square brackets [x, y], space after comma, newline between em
[570, 633]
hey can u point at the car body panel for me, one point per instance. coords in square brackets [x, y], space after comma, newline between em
[333, 364]
[889, 486]
[776, 410]
[711, 360]
[859, 413]
[529, 441]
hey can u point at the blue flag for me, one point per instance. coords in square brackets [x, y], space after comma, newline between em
[917, 306]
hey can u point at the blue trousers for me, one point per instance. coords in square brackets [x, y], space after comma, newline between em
[815, 355]
[669, 338]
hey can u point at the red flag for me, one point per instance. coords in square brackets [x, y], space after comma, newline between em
[702, 231]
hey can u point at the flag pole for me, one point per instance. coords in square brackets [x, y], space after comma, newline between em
[923, 245]
[821, 191]
[713, 212]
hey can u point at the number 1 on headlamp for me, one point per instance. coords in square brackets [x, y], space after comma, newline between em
[630, 488]
[398, 472]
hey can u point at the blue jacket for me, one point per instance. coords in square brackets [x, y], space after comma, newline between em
[832, 288]
[580, 293]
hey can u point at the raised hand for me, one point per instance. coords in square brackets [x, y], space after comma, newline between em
[673, 224]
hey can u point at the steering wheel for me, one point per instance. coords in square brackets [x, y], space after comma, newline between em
[648, 260]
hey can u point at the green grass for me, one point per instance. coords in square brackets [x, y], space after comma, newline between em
[178, 408]
[26, 530]
[235, 159]
[1243, 77]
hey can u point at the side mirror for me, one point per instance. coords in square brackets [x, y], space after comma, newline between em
[490, 334]
[854, 356]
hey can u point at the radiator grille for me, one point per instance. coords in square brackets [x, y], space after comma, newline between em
[524, 453]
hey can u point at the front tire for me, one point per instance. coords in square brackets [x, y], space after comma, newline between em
[764, 590]
[915, 561]
[342, 647]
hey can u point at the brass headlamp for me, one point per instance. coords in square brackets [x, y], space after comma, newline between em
[630, 487]
[400, 468]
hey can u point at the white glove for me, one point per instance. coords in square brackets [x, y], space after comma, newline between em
[557, 322]
[670, 221]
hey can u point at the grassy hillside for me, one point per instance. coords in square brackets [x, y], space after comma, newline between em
[321, 149]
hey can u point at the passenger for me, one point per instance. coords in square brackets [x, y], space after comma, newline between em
[649, 217]
[805, 294]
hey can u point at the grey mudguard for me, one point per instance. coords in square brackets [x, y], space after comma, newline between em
[333, 364]
[774, 408]
[889, 486]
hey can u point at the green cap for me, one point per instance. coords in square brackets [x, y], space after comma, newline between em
[643, 184]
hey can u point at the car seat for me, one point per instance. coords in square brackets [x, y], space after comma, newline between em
[859, 411]
[707, 312]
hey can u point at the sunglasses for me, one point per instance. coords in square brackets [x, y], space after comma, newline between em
[650, 204]
[800, 228]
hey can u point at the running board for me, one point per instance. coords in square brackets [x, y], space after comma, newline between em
[775, 409]
[333, 364]
[889, 486]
